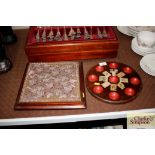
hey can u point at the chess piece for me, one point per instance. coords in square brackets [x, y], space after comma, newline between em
[58, 36]
[104, 33]
[91, 32]
[7, 35]
[44, 35]
[78, 33]
[99, 34]
[72, 34]
[51, 35]
[86, 34]
[38, 36]
[5, 63]
[65, 37]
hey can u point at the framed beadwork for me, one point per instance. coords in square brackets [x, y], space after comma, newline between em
[53, 85]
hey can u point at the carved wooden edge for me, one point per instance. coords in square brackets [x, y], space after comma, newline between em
[53, 105]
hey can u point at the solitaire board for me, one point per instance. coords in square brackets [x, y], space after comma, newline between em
[61, 43]
[56, 85]
[113, 82]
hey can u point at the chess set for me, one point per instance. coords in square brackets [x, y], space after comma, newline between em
[51, 34]
[61, 43]
[52, 81]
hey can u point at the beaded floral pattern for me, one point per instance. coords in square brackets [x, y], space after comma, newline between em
[51, 82]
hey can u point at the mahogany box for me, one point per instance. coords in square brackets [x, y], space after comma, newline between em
[59, 43]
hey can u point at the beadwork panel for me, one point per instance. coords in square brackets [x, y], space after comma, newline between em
[52, 83]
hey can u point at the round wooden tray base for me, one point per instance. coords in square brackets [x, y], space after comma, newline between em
[113, 82]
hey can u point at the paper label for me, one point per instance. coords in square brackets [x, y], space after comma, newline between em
[102, 63]
[105, 84]
[141, 121]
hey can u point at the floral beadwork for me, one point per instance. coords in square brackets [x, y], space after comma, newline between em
[51, 82]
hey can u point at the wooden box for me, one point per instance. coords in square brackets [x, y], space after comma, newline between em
[70, 43]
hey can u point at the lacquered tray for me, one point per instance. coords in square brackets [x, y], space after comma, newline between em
[56, 85]
[113, 82]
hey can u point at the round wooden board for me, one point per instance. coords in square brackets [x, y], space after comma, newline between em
[113, 82]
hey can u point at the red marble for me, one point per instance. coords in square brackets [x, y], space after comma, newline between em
[92, 78]
[98, 89]
[134, 81]
[129, 91]
[114, 96]
[99, 68]
[127, 70]
[113, 79]
[113, 65]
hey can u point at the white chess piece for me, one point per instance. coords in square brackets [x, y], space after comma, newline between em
[44, 35]
[86, 34]
[99, 34]
[51, 35]
[78, 33]
[104, 33]
[38, 36]
[58, 36]
[91, 32]
[72, 34]
[65, 37]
